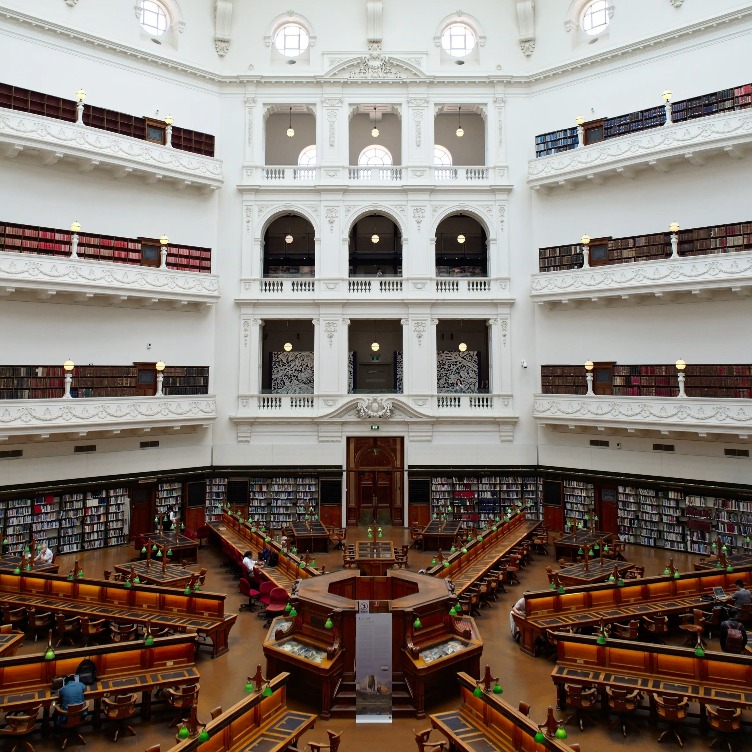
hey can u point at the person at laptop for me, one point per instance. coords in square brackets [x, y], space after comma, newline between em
[71, 693]
[738, 599]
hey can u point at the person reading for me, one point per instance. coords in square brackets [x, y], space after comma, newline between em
[45, 555]
[71, 693]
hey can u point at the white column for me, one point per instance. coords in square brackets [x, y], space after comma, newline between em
[331, 353]
[499, 349]
[417, 146]
[334, 143]
[250, 356]
[419, 353]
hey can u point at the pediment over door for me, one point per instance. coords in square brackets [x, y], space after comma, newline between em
[373, 66]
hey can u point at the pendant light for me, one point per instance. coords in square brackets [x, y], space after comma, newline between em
[460, 238]
[287, 346]
[290, 129]
[374, 130]
[375, 237]
[460, 133]
[288, 236]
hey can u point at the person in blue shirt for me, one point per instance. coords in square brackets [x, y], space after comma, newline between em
[71, 693]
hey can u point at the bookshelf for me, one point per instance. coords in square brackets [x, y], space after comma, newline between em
[185, 380]
[18, 522]
[579, 502]
[46, 521]
[169, 495]
[280, 500]
[118, 501]
[51, 241]
[38, 103]
[216, 498]
[736, 98]
[651, 517]
[71, 527]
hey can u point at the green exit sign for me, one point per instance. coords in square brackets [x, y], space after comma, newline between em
[376, 358]
[375, 428]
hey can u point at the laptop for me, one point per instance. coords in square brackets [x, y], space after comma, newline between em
[719, 593]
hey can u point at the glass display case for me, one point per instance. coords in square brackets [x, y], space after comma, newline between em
[443, 649]
[301, 650]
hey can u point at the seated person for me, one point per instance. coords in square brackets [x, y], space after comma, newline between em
[519, 609]
[45, 555]
[742, 597]
[249, 563]
[71, 693]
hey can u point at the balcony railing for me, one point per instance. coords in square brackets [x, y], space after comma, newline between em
[697, 415]
[118, 415]
[377, 288]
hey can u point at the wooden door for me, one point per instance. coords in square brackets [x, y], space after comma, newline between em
[194, 518]
[553, 504]
[607, 508]
[146, 379]
[374, 480]
[142, 513]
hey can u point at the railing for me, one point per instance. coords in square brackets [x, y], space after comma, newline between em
[296, 174]
[374, 174]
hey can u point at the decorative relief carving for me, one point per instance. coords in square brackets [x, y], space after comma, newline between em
[246, 332]
[249, 114]
[526, 25]
[419, 330]
[502, 218]
[248, 218]
[331, 116]
[71, 3]
[263, 209]
[376, 407]
[331, 101]
[675, 3]
[332, 213]
[419, 214]
[418, 120]
[330, 327]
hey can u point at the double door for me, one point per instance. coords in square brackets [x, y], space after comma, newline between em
[374, 481]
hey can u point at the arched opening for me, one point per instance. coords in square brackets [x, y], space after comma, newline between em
[289, 248]
[461, 248]
[375, 248]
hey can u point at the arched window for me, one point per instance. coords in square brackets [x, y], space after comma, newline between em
[376, 156]
[307, 157]
[458, 40]
[291, 40]
[153, 17]
[595, 17]
[441, 156]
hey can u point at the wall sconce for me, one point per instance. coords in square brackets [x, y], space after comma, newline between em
[163, 242]
[667, 99]
[460, 239]
[68, 367]
[287, 346]
[375, 346]
[666, 95]
[80, 96]
[585, 240]
[462, 346]
[290, 129]
[673, 228]
[589, 376]
[160, 377]
[169, 120]
[580, 120]
[460, 133]
[374, 130]
[75, 228]
[680, 366]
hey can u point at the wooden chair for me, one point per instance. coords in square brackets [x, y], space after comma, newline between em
[247, 590]
[215, 712]
[337, 536]
[39, 623]
[202, 577]
[634, 573]
[424, 745]
[624, 703]
[743, 614]
[120, 709]
[581, 698]
[524, 708]
[93, 631]
[629, 631]
[203, 533]
[695, 629]
[14, 616]
[181, 698]
[656, 628]
[67, 628]
[348, 557]
[672, 709]
[21, 723]
[416, 535]
[333, 745]
[726, 721]
[123, 632]
[73, 717]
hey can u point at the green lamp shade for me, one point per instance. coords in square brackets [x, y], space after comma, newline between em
[433, 562]
[149, 641]
[253, 529]
[293, 612]
[49, 654]
[381, 535]
[39, 547]
[676, 575]
[478, 692]
[183, 733]
[580, 551]
[370, 534]
[605, 548]
[127, 584]
[458, 607]
[724, 549]
[480, 539]
[497, 690]
[601, 639]
[70, 576]
[612, 579]
[718, 565]
[287, 608]
[453, 611]
[203, 736]
[561, 590]
[313, 563]
[27, 550]
[301, 564]
[666, 571]
[560, 733]
[293, 550]
[452, 550]
[159, 554]
[464, 550]
[417, 624]
[187, 590]
[729, 568]
[539, 738]
[591, 553]
[553, 586]
[154, 547]
[699, 652]
[136, 580]
[143, 550]
[597, 547]
[496, 519]
[5, 541]
[267, 691]
[328, 624]
[182, 525]
[620, 582]
[446, 564]
[249, 687]
[169, 552]
[267, 539]
[746, 540]
[196, 588]
[80, 573]
[17, 570]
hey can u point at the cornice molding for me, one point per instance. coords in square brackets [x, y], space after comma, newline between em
[622, 53]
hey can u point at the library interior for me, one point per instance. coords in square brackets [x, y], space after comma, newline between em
[375, 376]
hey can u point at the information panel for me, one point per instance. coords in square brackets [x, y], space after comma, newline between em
[373, 667]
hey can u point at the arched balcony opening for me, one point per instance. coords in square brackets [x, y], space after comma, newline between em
[461, 248]
[375, 248]
[462, 356]
[289, 248]
[375, 357]
[287, 131]
[287, 365]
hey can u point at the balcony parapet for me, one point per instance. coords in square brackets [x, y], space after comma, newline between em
[659, 148]
[354, 176]
[53, 277]
[697, 275]
[491, 289]
[42, 418]
[91, 148]
[700, 416]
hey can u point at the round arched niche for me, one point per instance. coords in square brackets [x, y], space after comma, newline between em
[461, 247]
[289, 247]
[375, 247]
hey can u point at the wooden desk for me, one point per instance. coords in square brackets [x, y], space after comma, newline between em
[716, 678]
[374, 558]
[255, 724]
[183, 549]
[440, 534]
[151, 573]
[310, 536]
[589, 604]
[201, 612]
[737, 561]
[10, 640]
[577, 574]
[489, 724]
[10, 561]
[568, 546]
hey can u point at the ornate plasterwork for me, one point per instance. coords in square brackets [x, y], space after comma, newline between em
[332, 214]
[330, 328]
[331, 116]
[657, 413]
[418, 120]
[374, 66]
[375, 407]
[676, 3]
[670, 141]
[419, 214]
[102, 147]
[526, 25]
[222, 26]
[63, 415]
[23, 271]
[419, 330]
[71, 3]
[250, 104]
[646, 277]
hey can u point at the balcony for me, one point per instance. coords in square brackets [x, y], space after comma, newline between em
[50, 140]
[416, 412]
[39, 419]
[378, 177]
[694, 141]
[48, 278]
[664, 280]
[697, 417]
[403, 289]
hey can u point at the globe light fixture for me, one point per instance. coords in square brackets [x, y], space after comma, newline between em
[80, 95]
[75, 227]
[666, 95]
[462, 346]
[459, 132]
[580, 120]
[460, 239]
[287, 346]
[169, 120]
[374, 238]
[164, 240]
[375, 346]
[374, 130]
[673, 227]
[290, 129]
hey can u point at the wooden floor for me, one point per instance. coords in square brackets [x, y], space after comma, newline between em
[522, 677]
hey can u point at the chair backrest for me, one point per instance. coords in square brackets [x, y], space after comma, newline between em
[121, 706]
[723, 719]
[92, 627]
[622, 700]
[671, 707]
[524, 708]
[278, 595]
[245, 587]
[183, 696]
[215, 712]
[334, 740]
[23, 721]
[266, 587]
[74, 715]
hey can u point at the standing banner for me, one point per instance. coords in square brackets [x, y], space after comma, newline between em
[373, 666]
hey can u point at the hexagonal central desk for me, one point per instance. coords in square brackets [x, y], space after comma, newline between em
[317, 646]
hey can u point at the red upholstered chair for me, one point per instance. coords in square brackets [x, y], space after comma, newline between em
[192, 534]
[249, 592]
[203, 533]
[277, 601]
[265, 590]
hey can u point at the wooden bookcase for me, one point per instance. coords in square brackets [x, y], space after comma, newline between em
[556, 141]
